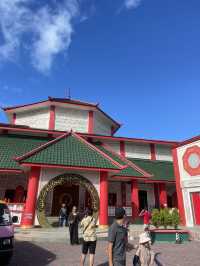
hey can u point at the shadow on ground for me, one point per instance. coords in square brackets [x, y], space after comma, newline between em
[28, 254]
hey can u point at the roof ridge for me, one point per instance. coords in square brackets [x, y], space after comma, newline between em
[134, 166]
[149, 160]
[41, 147]
[99, 151]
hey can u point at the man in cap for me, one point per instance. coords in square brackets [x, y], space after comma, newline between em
[117, 240]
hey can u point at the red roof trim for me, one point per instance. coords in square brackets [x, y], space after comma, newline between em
[188, 141]
[69, 167]
[7, 170]
[113, 138]
[129, 163]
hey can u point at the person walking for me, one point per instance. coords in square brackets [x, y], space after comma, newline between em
[144, 252]
[117, 240]
[88, 225]
[73, 221]
[146, 218]
[63, 215]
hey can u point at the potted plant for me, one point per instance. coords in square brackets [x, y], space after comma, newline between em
[175, 218]
[156, 218]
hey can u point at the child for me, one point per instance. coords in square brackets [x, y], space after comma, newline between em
[63, 216]
[144, 252]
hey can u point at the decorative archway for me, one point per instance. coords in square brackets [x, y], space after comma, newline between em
[73, 179]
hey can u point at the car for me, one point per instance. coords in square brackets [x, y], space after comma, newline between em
[6, 232]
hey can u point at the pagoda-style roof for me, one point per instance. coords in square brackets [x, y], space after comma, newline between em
[69, 151]
[160, 170]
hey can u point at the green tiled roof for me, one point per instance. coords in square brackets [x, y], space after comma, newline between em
[70, 151]
[12, 146]
[161, 170]
[128, 171]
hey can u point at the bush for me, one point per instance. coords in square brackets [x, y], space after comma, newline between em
[165, 217]
[156, 219]
[175, 218]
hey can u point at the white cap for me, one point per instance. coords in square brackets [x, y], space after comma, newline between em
[144, 238]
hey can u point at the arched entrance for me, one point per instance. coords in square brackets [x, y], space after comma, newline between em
[70, 179]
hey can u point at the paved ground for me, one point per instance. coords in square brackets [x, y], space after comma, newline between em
[54, 254]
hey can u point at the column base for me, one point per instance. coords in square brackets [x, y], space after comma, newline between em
[27, 226]
[103, 226]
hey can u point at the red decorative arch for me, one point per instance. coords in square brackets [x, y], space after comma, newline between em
[194, 150]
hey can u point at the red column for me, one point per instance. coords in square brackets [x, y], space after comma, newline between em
[156, 195]
[122, 148]
[123, 193]
[52, 118]
[134, 199]
[14, 118]
[29, 211]
[162, 194]
[178, 187]
[90, 122]
[103, 213]
[153, 151]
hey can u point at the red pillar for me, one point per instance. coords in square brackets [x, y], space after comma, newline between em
[90, 122]
[134, 199]
[162, 194]
[103, 213]
[178, 187]
[52, 118]
[14, 118]
[122, 148]
[156, 195]
[123, 193]
[29, 211]
[153, 151]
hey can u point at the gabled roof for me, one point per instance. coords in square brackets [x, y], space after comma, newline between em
[160, 170]
[129, 170]
[70, 150]
[188, 141]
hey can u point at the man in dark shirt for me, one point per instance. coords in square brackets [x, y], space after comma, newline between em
[63, 215]
[117, 238]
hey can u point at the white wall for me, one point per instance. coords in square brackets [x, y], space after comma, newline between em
[188, 184]
[47, 174]
[35, 118]
[115, 146]
[101, 125]
[163, 152]
[67, 119]
[136, 150]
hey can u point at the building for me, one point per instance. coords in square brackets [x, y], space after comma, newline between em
[64, 150]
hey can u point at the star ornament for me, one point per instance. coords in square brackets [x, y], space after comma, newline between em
[191, 160]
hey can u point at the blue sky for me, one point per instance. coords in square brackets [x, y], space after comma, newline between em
[139, 59]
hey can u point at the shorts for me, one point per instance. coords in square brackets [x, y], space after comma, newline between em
[91, 245]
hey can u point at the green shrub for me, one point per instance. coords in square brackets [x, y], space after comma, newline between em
[166, 218]
[175, 218]
[156, 219]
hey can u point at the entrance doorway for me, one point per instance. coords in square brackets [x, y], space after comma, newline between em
[143, 202]
[196, 205]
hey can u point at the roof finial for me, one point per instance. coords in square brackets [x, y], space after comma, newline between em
[68, 93]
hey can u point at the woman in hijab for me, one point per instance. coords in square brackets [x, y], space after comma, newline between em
[73, 221]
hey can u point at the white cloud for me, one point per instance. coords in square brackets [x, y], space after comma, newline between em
[50, 29]
[129, 4]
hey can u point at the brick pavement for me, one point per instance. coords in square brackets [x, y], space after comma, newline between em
[59, 254]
